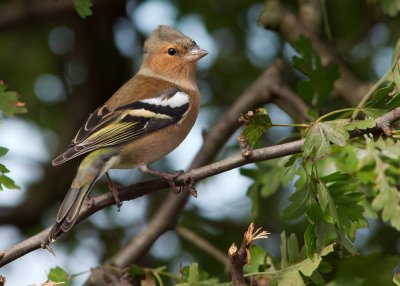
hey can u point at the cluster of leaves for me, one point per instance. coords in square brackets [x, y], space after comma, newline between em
[188, 275]
[316, 89]
[9, 105]
[389, 7]
[338, 183]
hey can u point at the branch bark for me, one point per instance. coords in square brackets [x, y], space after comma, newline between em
[140, 189]
[240, 257]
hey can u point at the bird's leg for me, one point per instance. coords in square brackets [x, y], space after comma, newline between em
[89, 201]
[169, 177]
[114, 190]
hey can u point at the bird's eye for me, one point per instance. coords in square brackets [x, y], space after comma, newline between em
[171, 51]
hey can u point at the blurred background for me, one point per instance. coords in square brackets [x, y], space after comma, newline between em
[64, 66]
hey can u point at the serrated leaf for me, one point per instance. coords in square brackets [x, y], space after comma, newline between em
[323, 196]
[268, 178]
[300, 202]
[335, 134]
[290, 275]
[9, 103]
[57, 274]
[290, 250]
[310, 241]
[258, 259]
[255, 125]
[83, 7]
[317, 88]
[316, 143]
[384, 99]
[387, 201]
[194, 275]
[319, 137]
[361, 124]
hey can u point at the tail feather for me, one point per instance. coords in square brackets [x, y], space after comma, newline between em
[69, 210]
[95, 165]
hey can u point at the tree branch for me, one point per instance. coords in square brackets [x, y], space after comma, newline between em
[203, 244]
[240, 257]
[140, 189]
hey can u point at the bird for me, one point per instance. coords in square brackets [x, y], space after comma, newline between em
[143, 121]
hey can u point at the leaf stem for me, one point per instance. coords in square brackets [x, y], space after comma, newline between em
[291, 125]
[336, 112]
[370, 93]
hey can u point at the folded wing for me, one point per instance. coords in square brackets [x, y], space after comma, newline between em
[106, 128]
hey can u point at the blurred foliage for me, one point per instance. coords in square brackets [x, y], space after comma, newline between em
[339, 200]
[83, 7]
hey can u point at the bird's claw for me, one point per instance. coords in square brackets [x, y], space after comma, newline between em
[115, 191]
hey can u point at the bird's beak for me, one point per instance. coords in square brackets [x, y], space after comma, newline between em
[196, 54]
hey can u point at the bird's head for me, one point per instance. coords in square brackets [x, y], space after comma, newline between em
[169, 53]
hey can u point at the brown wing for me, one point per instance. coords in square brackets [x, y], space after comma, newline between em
[107, 128]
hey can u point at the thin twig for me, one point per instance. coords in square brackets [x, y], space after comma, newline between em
[203, 244]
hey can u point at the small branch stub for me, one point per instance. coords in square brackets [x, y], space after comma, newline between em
[239, 258]
[2, 280]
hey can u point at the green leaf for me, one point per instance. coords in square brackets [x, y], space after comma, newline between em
[323, 196]
[387, 201]
[317, 88]
[83, 7]
[320, 135]
[390, 7]
[384, 99]
[7, 182]
[310, 240]
[292, 275]
[268, 178]
[361, 124]
[253, 192]
[194, 275]
[290, 250]
[255, 125]
[370, 270]
[258, 259]
[300, 202]
[136, 270]
[59, 275]
[396, 278]
[335, 134]
[316, 143]
[9, 103]
[3, 151]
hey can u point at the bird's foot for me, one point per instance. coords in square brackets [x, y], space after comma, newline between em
[115, 191]
[189, 184]
[89, 202]
[168, 176]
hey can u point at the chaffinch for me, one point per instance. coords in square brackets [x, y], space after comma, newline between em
[147, 118]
